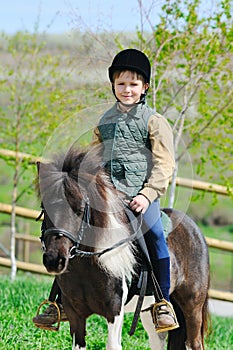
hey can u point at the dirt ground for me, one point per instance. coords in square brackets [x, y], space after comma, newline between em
[221, 308]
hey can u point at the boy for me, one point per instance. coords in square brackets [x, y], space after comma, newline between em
[138, 154]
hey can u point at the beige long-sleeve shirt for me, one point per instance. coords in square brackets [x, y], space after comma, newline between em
[163, 162]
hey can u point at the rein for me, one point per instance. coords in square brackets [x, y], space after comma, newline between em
[75, 251]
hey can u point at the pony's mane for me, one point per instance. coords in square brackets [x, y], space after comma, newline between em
[79, 176]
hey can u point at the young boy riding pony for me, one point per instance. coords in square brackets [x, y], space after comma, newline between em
[138, 154]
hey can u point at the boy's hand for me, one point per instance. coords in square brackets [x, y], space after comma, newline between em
[139, 204]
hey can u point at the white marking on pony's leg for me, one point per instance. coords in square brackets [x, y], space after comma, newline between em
[77, 347]
[115, 329]
[157, 341]
[187, 347]
[198, 346]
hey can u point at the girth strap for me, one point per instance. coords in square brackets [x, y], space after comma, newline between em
[142, 244]
[140, 301]
[157, 291]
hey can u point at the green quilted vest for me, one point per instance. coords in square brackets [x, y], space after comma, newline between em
[126, 152]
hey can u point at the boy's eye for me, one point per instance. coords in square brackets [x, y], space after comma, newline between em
[131, 84]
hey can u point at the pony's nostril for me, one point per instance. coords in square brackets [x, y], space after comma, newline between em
[61, 263]
[48, 260]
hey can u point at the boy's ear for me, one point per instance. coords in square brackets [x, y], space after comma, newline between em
[146, 87]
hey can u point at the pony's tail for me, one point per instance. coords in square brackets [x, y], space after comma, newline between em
[177, 337]
[206, 320]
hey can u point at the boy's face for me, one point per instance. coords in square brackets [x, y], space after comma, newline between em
[128, 88]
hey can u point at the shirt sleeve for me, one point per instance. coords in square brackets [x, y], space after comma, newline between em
[163, 161]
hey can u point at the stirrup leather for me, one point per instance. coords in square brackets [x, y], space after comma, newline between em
[49, 327]
[156, 311]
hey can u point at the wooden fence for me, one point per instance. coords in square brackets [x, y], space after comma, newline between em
[180, 181]
[36, 268]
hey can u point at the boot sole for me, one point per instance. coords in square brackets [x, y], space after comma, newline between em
[166, 328]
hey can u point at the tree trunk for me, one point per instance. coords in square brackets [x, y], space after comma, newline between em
[13, 221]
[172, 191]
[13, 232]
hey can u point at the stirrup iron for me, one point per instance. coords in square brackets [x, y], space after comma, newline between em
[49, 327]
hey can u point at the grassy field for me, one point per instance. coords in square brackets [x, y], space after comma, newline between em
[19, 302]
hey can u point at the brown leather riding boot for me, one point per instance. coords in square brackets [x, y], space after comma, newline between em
[164, 316]
[50, 317]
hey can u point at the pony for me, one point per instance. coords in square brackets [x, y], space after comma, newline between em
[88, 246]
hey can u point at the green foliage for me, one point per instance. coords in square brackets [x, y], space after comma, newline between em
[192, 80]
[21, 298]
[43, 81]
[36, 96]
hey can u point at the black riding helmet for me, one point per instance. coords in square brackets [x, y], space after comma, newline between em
[132, 60]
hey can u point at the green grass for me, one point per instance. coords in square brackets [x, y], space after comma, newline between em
[19, 302]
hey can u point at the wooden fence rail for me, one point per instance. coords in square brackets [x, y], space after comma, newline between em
[194, 184]
[20, 211]
[219, 244]
[25, 266]
[40, 269]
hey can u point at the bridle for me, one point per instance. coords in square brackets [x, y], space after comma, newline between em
[85, 224]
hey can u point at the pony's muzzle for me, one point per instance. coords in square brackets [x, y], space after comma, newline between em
[54, 264]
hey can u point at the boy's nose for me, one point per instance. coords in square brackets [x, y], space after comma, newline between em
[127, 88]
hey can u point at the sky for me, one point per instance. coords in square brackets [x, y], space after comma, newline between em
[59, 16]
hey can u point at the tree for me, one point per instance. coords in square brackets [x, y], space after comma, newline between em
[36, 97]
[192, 81]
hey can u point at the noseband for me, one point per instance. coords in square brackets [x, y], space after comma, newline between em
[59, 232]
[85, 223]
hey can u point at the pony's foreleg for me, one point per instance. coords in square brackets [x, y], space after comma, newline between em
[114, 333]
[77, 347]
[115, 328]
[157, 341]
[77, 332]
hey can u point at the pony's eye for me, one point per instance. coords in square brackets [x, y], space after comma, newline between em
[43, 247]
[60, 235]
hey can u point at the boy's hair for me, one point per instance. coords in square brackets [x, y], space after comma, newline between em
[117, 73]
